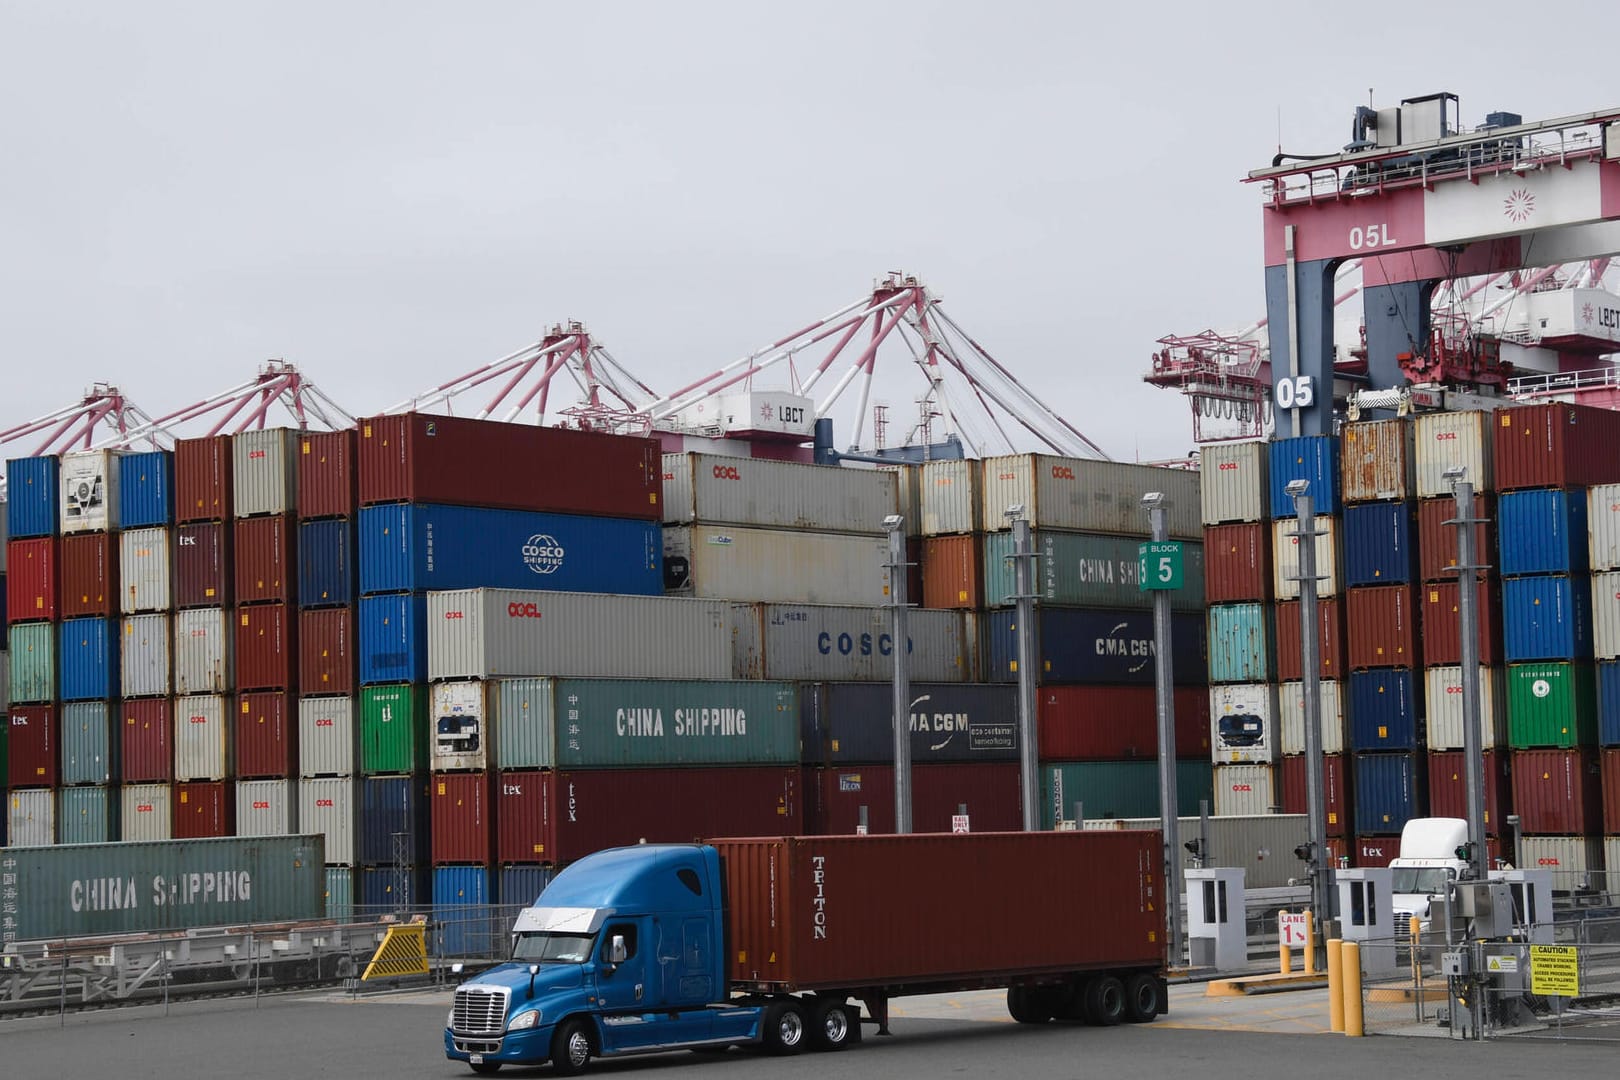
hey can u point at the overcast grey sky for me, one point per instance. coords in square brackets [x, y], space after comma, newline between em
[390, 193]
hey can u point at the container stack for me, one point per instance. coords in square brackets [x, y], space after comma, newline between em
[1603, 525]
[32, 612]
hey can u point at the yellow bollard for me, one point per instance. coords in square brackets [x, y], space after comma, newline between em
[1350, 977]
[1335, 986]
[1310, 942]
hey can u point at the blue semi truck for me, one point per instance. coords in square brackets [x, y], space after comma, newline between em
[780, 942]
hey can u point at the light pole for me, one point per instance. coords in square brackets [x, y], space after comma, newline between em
[1468, 620]
[1164, 711]
[1305, 535]
[1024, 587]
[900, 642]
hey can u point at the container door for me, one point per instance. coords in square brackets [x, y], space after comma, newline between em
[621, 989]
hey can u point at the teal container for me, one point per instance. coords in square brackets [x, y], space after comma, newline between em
[1118, 789]
[1240, 643]
[87, 815]
[340, 893]
[88, 747]
[1077, 569]
[33, 663]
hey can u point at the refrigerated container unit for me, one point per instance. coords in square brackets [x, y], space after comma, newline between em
[266, 560]
[265, 739]
[88, 654]
[1389, 791]
[714, 489]
[1448, 786]
[1444, 696]
[1380, 544]
[266, 807]
[1291, 713]
[1312, 458]
[1555, 445]
[33, 582]
[32, 678]
[326, 476]
[146, 740]
[88, 570]
[89, 500]
[1437, 540]
[832, 643]
[1547, 618]
[204, 640]
[204, 810]
[264, 472]
[1115, 723]
[327, 740]
[1557, 792]
[774, 566]
[327, 571]
[326, 807]
[1442, 623]
[1377, 461]
[1381, 627]
[1445, 440]
[1285, 557]
[1232, 483]
[89, 743]
[1551, 704]
[326, 655]
[1083, 645]
[1240, 644]
[145, 489]
[203, 574]
[1330, 652]
[1243, 723]
[986, 792]
[145, 571]
[1542, 532]
[203, 469]
[146, 812]
[33, 494]
[144, 668]
[202, 738]
[87, 815]
[1076, 569]
[950, 494]
[1245, 789]
[32, 741]
[1385, 713]
[1292, 774]
[1087, 495]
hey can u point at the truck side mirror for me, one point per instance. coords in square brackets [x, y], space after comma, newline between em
[617, 954]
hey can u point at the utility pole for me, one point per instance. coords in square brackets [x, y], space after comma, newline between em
[1024, 585]
[1468, 617]
[901, 647]
[1310, 662]
[1159, 567]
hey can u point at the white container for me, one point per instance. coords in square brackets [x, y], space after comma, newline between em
[203, 644]
[148, 812]
[824, 643]
[724, 562]
[461, 726]
[1285, 557]
[1232, 482]
[714, 490]
[950, 495]
[89, 501]
[327, 806]
[145, 579]
[264, 472]
[31, 817]
[1603, 526]
[1243, 723]
[266, 808]
[202, 740]
[1606, 615]
[491, 633]
[1443, 697]
[1445, 439]
[326, 736]
[1246, 789]
[1291, 709]
[143, 656]
[1088, 495]
[1575, 861]
[909, 495]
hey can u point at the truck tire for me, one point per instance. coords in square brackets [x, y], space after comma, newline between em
[571, 1048]
[834, 1024]
[1144, 998]
[783, 1028]
[1105, 1001]
[1029, 1004]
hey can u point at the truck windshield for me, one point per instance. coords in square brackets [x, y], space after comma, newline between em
[1419, 879]
[548, 948]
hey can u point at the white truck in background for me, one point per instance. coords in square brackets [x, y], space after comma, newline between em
[1426, 866]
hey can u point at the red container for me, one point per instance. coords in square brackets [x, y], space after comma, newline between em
[31, 580]
[442, 459]
[203, 810]
[1335, 780]
[462, 809]
[1237, 563]
[89, 575]
[953, 572]
[1555, 445]
[265, 651]
[1437, 541]
[1381, 625]
[266, 738]
[147, 750]
[1117, 723]
[1329, 639]
[1610, 767]
[1448, 787]
[266, 560]
[326, 476]
[1339, 850]
[547, 817]
[202, 479]
[326, 659]
[1375, 850]
[833, 798]
[202, 565]
[1556, 792]
[1442, 622]
[33, 734]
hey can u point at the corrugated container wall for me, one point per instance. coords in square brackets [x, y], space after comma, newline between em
[462, 817]
[1384, 711]
[144, 571]
[1389, 791]
[32, 580]
[1547, 618]
[1313, 458]
[1237, 563]
[147, 740]
[1232, 482]
[1115, 789]
[715, 490]
[264, 736]
[146, 813]
[204, 810]
[146, 489]
[1542, 532]
[89, 576]
[908, 495]
[1329, 640]
[1240, 644]
[202, 565]
[1608, 695]
[780, 567]
[1086, 570]
[327, 739]
[1576, 861]
[393, 806]
[827, 643]
[89, 660]
[143, 663]
[1442, 623]
[33, 490]
[394, 729]
[32, 740]
[89, 744]
[33, 662]
[1553, 704]
[339, 893]
[1379, 544]
[1557, 792]
[1448, 786]
[1609, 765]
[264, 472]
[1377, 460]
[266, 655]
[393, 638]
[1285, 552]
[86, 815]
[1437, 541]
[1606, 615]
[1116, 723]
[954, 573]
[1447, 439]
[1246, 789]
[1446, 729]
[326, 652]
[202, 738]
[203, 643]
[950, 492]
[89, 491]
[326, 473]
[1291, 709]
[1603, 526]
[1081, 645]
[266, 808]
[461, 899]
[1292, 776]
[1382, 627]
[326, 807]
[266, 565]
[326, 563]
[31, 818]
[202, 479]
[1087, 495]
[846, 723]
[1556, 445]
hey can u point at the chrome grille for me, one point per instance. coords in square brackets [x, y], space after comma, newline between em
[479, 1010]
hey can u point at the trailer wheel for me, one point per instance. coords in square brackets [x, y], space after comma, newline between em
[1029, 1004]
[1144, 998]
[571, 1048]
[783, 1028]
[1105, 1001]
[833, 1024]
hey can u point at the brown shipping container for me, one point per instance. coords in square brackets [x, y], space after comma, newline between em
[1555, 445]
[442, 459]
[1442, 623]
[1381, 625]
[1335, 780]
[1377, 461]
[326, 474]
[148, 741]
[202, 565]
[33, 732]
[266, 563]
[1237, 563]
[547, 817]
[833, 798]
[89, 572]
[1329, 639]
[952, 572]
[266, 741]
[844, 912]
[1375, 850]
[914, 568]
[1611, 791]
[1117, 723]
[1555, 792]
[202, 479]
[1448, 786]
[1437, 541]
[265, 651]
[199, 811]
[31, 579]
[462, 808]
[326, 655]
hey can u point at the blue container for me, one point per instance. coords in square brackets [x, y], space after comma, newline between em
[461, 909]
[1309, 457]
[1608, 693]
[1240, 643]
[90, 746]
[409, 546]
[524, 884]
[88, 655]
[325, 563]
[145, 489]
[1379, 544]
[86, 815]
[393, 638]
[1389, 792]
[391, 805]
[33, 488]
[384, 889]
[1547, 618]
[1542, 532]
[1083, 645]
[1383, 711]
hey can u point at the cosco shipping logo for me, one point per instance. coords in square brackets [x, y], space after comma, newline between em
[542, 553]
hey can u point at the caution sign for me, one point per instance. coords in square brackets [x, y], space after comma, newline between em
[1554, 971]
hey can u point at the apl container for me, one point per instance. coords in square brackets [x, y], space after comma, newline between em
[462, 813]
[1087, 570]
[266, 563]
[834, 797]
[1292, 776]
[1448, 786]
[326, 807]
[264, 470]
[326, 474]
[1285, 565]
[202, 565]
[1447, 439]
[145, 489]
[1547, 618]
[202, 479]
[266, 808]
[1384, 712]
[463, 735]
[33, 489]
[1232, 483]
[393, 638]
[326, 653]
[144, 571]
[1444, 697]
[1558, 792]
[204, 810]
[203, 642]
[327, 739]
[33, 663]
[1377, 459]
[1442, 623]
[89, 657]
[32, 580]
[828, 643]
[1382, 627]
[1240, 644]
[1291, 709]
[951, 493]
[202, 738]
[146, 812]
[1237, 562]
[89, 575]
[327, 575]
[1389, 790]
[265, 736]
[1542, 532]
[32, 740]
[1109, 723]
[1603, 526]
[89, 491]
[144, 657]
[31, 818]
[89, 745]
[775, 566]
[147, 740]
[1330, 656]
[393, 729]
[1313, 458]
[1379, 546]
[1244, 789]
[1608, 697]
[394, 820]
[266, 652]
[1551, 704]
[954, 572]
[1555, 445]
[1437, 540]
[1243, 723]
[1080, 645]
[1087, 495]
[844, 723]
[717, 490]
[86, 815]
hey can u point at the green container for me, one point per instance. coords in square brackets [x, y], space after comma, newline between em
[1118, 789]
[1076, 569]
[393, 729]
[33, 663]
[87, 815]
[1552, 705]
[340, 893]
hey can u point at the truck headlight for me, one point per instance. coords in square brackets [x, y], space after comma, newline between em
[450, 1019]
[524, 1020]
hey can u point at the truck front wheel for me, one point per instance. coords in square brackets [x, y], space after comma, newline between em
[1144, 998]
[571, 1048]
[833, 1024]
[1105, 1001]
[783, 1028]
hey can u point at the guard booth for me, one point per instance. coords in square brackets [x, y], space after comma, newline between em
[1367, 916]
[1217, 936]
[1532, 903]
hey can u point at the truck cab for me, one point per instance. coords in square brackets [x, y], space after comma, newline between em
[1426, 867]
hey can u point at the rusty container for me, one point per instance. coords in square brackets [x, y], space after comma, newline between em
[1381, 627]
[1329, 639]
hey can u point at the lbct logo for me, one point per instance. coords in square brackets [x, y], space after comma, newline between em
[726, 472]
[542, 553]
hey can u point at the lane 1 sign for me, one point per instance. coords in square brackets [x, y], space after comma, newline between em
[1158, 565]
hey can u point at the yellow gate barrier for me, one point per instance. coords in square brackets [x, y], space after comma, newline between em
[402, 951]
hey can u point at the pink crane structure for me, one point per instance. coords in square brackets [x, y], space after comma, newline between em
[246, 406]
[103, 411]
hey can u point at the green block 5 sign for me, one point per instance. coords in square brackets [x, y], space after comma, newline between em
[1158, 565]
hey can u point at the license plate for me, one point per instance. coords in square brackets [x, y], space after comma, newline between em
[476, 1059]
